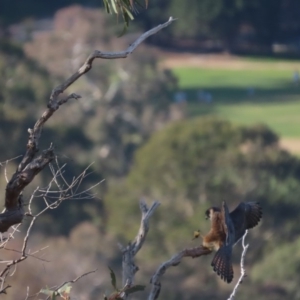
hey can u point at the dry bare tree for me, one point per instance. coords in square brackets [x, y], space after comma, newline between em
[32, 163]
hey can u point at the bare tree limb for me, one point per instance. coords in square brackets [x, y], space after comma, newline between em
[174, 261]
[60, 192]
[22, 178]
[243, 271]
[30, 166]
[129, 252]
[105, 55]
[14, 212]
[24, 254]
[55, 289]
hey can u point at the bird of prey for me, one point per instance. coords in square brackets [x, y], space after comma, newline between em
[226, 230]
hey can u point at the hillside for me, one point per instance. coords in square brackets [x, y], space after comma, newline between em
[243, 90]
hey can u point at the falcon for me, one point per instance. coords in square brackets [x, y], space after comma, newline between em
[226, 230]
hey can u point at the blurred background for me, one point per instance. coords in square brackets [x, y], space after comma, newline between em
[206, 110]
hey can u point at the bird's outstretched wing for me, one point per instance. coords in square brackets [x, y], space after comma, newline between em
[221, 262]
[245, 216]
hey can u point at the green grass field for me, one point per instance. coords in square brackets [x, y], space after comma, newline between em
[275, 100]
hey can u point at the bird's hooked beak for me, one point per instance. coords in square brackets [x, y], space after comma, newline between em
[207, 214]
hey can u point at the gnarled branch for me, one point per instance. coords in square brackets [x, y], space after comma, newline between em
[128, 265]
[174, 261]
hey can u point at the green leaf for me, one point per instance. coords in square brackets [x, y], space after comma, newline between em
[49, 293]
[106, 5]
[65, 289]
[113, 4]
[113, 279]
[128, 13]
[135, 288]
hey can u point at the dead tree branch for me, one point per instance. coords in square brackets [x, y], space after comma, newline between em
[53, 290]
[174, 261]
[57, 288]
[243, 271]
[57, 191]
[3, 290]
[54, 103]
[129, 252]
[31, 165]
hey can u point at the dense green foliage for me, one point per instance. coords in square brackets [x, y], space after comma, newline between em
[195, 164]
[239, 24]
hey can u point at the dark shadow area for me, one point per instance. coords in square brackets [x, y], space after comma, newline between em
[240, 95]
[292, 57]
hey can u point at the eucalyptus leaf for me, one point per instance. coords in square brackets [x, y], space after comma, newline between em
[65, 289]
[113, 4]
[113, 279]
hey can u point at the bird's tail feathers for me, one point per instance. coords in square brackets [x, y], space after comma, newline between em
[222, 264]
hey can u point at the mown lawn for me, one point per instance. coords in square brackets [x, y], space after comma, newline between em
[266, 95]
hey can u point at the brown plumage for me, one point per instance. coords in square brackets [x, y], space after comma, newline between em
[226, 230]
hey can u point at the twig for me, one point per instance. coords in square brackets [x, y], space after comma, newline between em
[3, 290]
[30, 254]
[24, 254]
[74, 280]
[59, 189]
[62, 194]
[55, 289]
[9, 160]
[174, 261]
[243, 271]
[27, 294]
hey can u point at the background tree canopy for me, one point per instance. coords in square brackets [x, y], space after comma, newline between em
[233, 25]
[194, 164]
